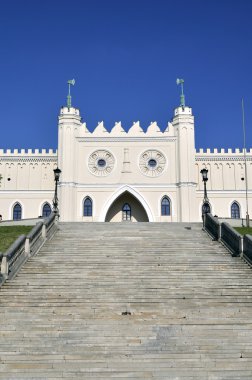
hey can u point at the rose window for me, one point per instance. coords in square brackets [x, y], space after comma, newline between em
[101, 163]
[152, 163]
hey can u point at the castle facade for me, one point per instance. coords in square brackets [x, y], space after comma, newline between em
[116, 176]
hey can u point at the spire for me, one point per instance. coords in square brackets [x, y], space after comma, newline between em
[69, 98]
[182, 96]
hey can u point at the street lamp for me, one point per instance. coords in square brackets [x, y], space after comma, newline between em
[205, 207]
[245, 164]
[57, 172]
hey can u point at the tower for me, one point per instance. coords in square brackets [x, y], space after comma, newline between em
[183, 122]
[68, 130]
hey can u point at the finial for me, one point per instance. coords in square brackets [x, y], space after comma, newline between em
[182, 96]
[69, 98]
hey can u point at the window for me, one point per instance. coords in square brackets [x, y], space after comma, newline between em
[206, 209]
[126, 212]
[165, 206]
[46, 211]
[17, 212]
[88, 208]
[235, 211]
[101, 163]
[152, 163]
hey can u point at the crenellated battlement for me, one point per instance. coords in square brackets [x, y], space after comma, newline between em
[28, 152]
[222, 151]
[135, 130]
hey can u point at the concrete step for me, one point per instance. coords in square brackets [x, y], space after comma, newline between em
[128, 301]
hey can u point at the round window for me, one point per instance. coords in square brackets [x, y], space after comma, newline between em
[101, 163]
[152, 163]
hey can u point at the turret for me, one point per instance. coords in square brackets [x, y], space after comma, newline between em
[183, 122]
[68, 129]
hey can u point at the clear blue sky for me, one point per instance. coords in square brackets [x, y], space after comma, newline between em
[125, 57]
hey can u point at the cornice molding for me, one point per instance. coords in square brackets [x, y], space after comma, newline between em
[124, 138]
[231, 192]
[29, 159]
[113, 185]
[216, 158]
[27, 192]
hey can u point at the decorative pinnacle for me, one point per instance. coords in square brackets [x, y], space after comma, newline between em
[182, 96]
[70, 82]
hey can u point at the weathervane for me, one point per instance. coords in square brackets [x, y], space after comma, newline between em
[182, 96]
[70, 82]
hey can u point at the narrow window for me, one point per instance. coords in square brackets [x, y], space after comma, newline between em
[206, 209]
[235, 211]
[165, 206]
[17, 212]
[126, 212]
[88, 208]
[46, 211]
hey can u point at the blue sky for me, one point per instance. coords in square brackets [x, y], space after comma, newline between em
[125, 57]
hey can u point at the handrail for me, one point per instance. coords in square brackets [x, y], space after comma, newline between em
[212, 226]
[50, 219]
[25, 246]
[38, 227]
[236, 244]
[247, 248]
[231, 239]
[15, 247]
[49, 224]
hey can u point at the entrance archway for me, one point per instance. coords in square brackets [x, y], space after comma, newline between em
[116, 212]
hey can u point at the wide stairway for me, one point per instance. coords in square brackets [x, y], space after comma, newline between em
[128, 301]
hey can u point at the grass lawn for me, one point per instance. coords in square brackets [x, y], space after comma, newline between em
[244, 230]
[9, 234]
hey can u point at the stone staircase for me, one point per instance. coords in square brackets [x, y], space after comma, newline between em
[128, 301]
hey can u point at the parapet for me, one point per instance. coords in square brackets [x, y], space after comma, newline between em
[28, 152]
[218, 153]
[69, 111]
[183, 111]
[222, 152]
[153, 130]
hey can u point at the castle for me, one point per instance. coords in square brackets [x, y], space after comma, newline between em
[133, 176]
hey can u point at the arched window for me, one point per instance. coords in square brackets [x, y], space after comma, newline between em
[206, 208]
[17, 212]
[165, 206]
[235, 211]
[46, 211]
[88, 207]
[126, 212]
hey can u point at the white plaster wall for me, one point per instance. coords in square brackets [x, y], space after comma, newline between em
[30, 201]
[27, 171]
[32, 182]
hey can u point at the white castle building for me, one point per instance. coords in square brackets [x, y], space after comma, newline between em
[114, 176]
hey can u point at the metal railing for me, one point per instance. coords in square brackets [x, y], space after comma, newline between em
[212, 226]
[247, 248]
[26, 246]
[231, 239]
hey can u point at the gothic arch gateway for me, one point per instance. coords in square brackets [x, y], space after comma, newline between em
[126, 208]
[113, 210]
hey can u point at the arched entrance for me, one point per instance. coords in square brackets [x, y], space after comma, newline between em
[126, 208]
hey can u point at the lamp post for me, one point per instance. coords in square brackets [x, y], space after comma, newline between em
[57, 172]
[245, 164]
[205, 207]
